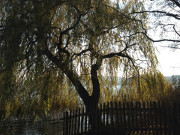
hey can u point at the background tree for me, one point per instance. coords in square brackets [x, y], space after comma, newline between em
[150, 86]
[80, 40]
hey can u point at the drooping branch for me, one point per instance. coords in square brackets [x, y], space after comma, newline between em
[153, 40]
[66, 32]
[121, 54]
[174, 47]
[74, 25]
[171, 14]
[176, 2]
[1, 31]
[176, 16]
[59, 45]
[159, 40]
[173, 26]
[176, 30]
[71, 27]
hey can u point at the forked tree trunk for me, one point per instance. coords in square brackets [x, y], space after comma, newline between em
[91, 102]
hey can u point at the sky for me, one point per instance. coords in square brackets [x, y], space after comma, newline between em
[169, 60]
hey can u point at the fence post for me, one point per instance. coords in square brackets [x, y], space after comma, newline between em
[107, 114]
[82, 120]
[160, 117]
[116, 118]
[104, 114]
[151, 117]
[104, 117]
[67, 124]
[73, 117]
[155, 117]
[111, 117]
[132, 115]
[96, 120]
[168, 117]
[136, 117]
[101, 118]
[145, 117]
[128, 117]
[76, 122]
[86, 122]
[164, 118]
[78, 127]
[140, 117]
[178, 118]
[124, 116]
[64, 123]
[121, 123]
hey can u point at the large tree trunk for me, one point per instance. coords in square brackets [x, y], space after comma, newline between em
[94, 98]
[91, 102]
[93, 113]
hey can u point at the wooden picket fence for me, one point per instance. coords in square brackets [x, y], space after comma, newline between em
[147, 118]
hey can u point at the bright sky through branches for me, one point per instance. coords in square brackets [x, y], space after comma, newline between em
[169, 59]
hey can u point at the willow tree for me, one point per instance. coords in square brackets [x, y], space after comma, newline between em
[84, 40]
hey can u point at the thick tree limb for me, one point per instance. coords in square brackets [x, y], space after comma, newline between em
[70, 74]
[111, 55]
[116, 54]
[82, 52]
